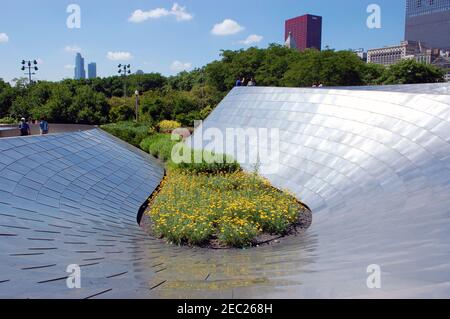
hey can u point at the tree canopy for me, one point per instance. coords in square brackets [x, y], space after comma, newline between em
[192, 95]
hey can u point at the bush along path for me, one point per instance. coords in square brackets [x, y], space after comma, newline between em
[217, 205]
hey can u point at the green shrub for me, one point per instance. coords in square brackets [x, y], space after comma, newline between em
[167, 126]
[160, 146]
[8, 120]
[210, 163]
[130, 132]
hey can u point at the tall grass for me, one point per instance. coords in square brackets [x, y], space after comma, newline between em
[197, 161]
[159, 145]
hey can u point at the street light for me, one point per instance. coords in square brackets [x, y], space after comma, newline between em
[30, 66]
[136, 93]
[124, 70]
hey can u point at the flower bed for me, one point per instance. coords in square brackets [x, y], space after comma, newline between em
[216, 204]
[220, 210]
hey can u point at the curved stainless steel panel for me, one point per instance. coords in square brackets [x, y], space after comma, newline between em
[73, 199]
[375, 169]
[373, 166]
[432, 88]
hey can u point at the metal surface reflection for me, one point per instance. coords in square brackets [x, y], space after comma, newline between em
[374, 166]
[431, 88]
[72, 199]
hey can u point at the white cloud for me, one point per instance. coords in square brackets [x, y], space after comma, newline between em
[119, 56]
[252, 39]
[4, 38]
[180, 13]
[141, 16]
[178, 66]
[72, 49]
[69, 66]
[40, 61]
[177, 11]
[227, 27]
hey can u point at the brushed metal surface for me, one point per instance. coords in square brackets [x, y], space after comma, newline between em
[431, 88]
[73, 199]
[374, 167]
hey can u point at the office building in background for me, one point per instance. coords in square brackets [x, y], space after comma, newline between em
[92, 70]
[80, 72]
[361, 54]
[406, 50]
[428, 21]
[305, 32]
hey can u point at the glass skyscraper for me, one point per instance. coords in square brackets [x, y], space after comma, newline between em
[80, 72]
[416, 8]
[92, 70]
[428, 21]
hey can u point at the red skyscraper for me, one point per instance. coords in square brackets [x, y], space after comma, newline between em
[306, 31]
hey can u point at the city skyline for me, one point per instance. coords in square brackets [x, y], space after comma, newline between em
[79, 70]
[200, 28]
[92, 70]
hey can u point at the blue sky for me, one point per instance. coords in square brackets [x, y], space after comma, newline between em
[164, 37]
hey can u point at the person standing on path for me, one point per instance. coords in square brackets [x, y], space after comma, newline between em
[24, 127]
[43, 126]
[251, 82]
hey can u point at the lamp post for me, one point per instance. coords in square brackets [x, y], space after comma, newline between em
[124, 70]
[30, 66]
[136, 93]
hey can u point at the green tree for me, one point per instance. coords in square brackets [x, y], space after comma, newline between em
[275, 63]
[88, 107]
[192, 95]
[372, 73]
[411, 72]
[217, 75]
[7, 96]
[185, 81]
[207, 95]
[121, 109]
[330, 68]
[56, 109]
[156, 105]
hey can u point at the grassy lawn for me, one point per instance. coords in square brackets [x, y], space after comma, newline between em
[204, 203]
